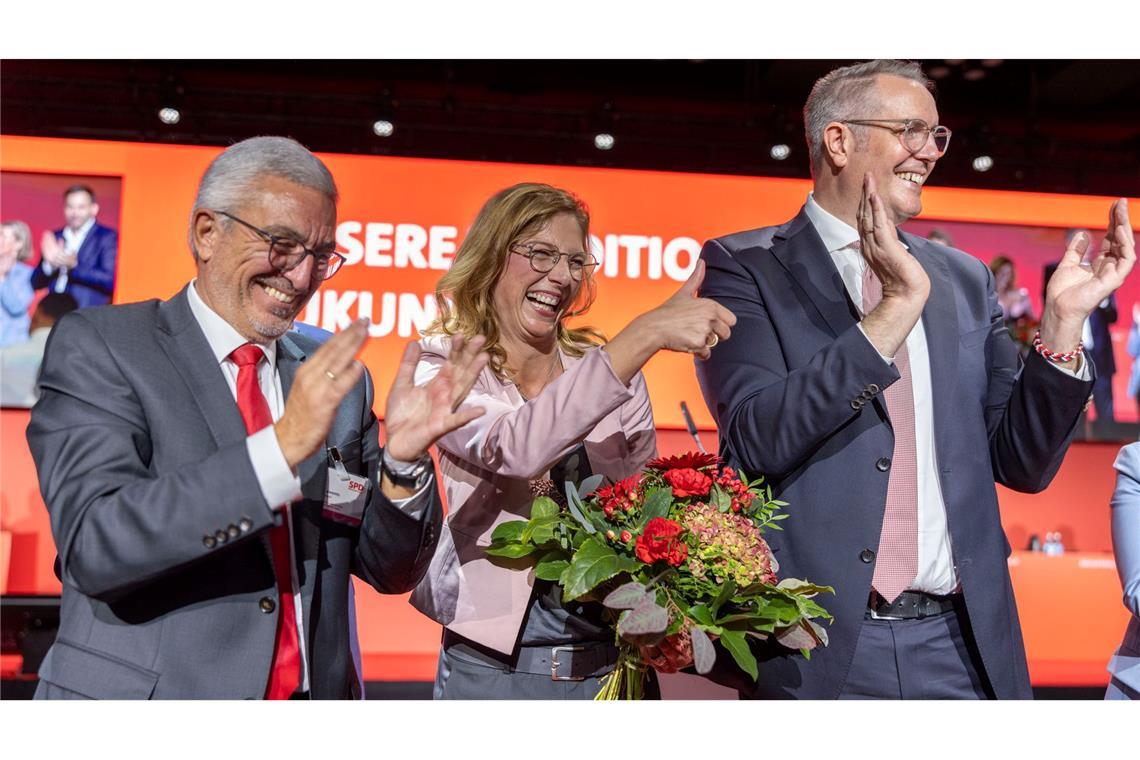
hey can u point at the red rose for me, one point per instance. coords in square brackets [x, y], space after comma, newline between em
[661, 540]
[688, 482]
[626, 536]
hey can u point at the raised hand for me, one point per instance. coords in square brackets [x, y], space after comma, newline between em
[53, 251]
[1076, 288]
[416, 416]
[899, 272]
[321, 383]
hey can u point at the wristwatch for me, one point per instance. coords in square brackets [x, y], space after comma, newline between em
[408, 474]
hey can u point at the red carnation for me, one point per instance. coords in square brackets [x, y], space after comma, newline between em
[661, 540]
[691, 460]
[688, 482]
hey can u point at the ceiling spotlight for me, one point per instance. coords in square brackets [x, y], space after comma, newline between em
[383, 128]
[990, 63]
[939, 72]
[973, 75]
[604, 141]
[169, 115]
[983, 163]
[780, 151]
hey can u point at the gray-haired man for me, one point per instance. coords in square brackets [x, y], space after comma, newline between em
[213, 480]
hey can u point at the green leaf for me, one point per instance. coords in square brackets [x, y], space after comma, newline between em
[626, 596]
[704, 653]
[508, 531]
[647, 618]
[573, 502]
[799, 636]
[550, 567]
[657, 504]
[593, 563]
[544, 508]
[721, 500]
[727, 589]
[511, 551]
[543, 531]
[701, 614]
[737, 646]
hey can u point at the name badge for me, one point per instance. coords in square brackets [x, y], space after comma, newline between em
[347, 494]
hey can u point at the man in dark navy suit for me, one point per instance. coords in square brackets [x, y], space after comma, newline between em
[871, 379]
[79, 258]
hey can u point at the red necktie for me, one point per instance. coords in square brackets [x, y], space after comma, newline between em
[896, 564]
[285, 675]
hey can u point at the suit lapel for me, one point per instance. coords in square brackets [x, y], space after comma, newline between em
[188, 350]
[799, 249]
[940, 322]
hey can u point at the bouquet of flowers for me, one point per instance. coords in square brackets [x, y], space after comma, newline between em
[676, 555]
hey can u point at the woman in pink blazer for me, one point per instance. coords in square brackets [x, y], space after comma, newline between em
[559, 407]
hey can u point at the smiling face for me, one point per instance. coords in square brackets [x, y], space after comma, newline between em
[899, 173]
[78, 209]
[529, 304]
[234, 275]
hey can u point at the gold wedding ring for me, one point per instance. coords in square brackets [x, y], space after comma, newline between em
[712, 341]
[330, 374]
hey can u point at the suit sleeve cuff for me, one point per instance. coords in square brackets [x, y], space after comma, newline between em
[1080, 373]
[887, 359]
[415, 505]
[278, 484]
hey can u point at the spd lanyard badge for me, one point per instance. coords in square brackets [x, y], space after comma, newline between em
[347, 494]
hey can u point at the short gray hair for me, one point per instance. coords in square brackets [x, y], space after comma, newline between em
[241, 167]
[836, 95]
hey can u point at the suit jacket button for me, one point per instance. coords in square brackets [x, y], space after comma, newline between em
[883, 464]
[267, 604]
[222, 536]
[867, 556]
[856, 404]
[245, 524]
[429, 535]
[209, 541]
[233, 531]
[873, 388]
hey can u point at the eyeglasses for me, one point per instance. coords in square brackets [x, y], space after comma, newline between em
[913, 133]
[543, 259]
[286, 253]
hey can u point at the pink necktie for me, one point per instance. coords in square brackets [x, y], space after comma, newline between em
[285, 674]
[896, 563]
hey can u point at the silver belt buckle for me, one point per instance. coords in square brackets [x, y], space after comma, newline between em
[877, 616]
[554, 662]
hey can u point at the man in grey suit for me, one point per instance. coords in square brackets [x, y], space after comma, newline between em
[213, 479]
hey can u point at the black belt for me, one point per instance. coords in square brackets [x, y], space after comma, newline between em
[911, 605]
[561, 662]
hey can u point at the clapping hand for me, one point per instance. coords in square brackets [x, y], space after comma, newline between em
[899, 272]
[1076, 288]
[417, 416]
[54, 253]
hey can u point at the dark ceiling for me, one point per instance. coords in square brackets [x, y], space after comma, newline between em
[1051, 126]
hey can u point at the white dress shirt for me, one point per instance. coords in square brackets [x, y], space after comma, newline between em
[937, 573]
[279, 485]
[72, 241]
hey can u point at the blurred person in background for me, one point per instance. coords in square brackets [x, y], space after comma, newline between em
[1016, 306]
[79, 258]
[20, 362]
[16, 292]
[561, 405]
[1125, 663]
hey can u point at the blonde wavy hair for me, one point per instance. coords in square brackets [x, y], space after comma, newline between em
[465, 295]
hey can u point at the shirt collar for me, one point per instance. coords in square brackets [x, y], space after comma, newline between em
[220, 334]
[80, 234]
[835, 232]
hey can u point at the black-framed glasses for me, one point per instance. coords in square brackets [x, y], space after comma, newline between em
[286, 253]
[913, 133]
[543, 258]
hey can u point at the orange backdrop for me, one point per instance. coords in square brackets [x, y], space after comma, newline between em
[402, 218]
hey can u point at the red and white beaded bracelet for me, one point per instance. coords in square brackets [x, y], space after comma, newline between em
[1052, 356]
